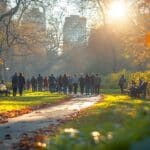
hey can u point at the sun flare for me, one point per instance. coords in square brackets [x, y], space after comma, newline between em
[117, 10]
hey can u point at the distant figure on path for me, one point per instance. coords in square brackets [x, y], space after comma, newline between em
[14, 83]
[121, 83]
[21, 83]
[52, 83]
[59, 83]
[75, 84]
[65, 83]
[70, 84]
[87, 84]
[97, 84]
[40, 83]
[34, 84]
[28, 84]
[45, 83]
[82, 84]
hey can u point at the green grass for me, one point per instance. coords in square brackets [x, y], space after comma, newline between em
[28, 99]
[120, 120]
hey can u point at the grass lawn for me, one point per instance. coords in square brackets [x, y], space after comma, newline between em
[118, 121]
[28, 99]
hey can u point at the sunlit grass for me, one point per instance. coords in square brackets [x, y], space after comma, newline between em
[27, 100]
[120, 120]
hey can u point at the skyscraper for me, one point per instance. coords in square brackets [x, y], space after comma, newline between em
[35, 16]
[74, 32]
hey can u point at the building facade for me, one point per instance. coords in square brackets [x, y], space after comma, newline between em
[74, 32]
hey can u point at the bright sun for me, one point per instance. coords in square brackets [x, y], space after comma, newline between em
[117, 10]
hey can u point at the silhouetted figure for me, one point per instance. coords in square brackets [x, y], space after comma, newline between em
[75, 84]
[21, 83]
[142, 87]
[87, 84]
[52, 83]
[34, 84]
[45, 83]
[92, 84]
[82, 84]
[28, 84]
[121, 83]
[65, 83]
[70, 84]
[97, 84]
[59, 83]
[133, 89]
[40, 82]
[14, 84]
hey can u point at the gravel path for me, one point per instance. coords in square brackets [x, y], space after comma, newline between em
[41, 119]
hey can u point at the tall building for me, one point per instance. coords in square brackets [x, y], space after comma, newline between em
[35, 16]
[74, 32]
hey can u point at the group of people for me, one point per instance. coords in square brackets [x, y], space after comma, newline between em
[18, 84]
[134, 90]
[89, 84]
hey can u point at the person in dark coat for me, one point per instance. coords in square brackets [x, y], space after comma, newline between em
[40, 82]
[82, 84]
[34, 84]
[70, 84]
[87, 84]
[75, 84]
[45, 83]
[59, 83]
[92, 86]
[14, 83]
[97, 84]
[52, 83]
[65, 83]
[28, 84]
[21, 83]
[121, 83]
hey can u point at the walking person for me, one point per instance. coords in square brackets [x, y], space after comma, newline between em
[40, 82]
[92, 84]
[82, 84]
[52, 83]
[121, 83]
[59, 83]
[14, 83]
[97, 84]
[70, 84]
[65, 83]
[45, 83]
[87, 84]
[28, 84]
[34, 84]
[75, 84]
[21, 83]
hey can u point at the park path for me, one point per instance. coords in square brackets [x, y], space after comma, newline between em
[42, 118]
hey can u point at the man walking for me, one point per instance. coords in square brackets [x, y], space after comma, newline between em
[121, 83]
[14, 83]
[82, 84]
[40, 83]
[97, 84]
[34, 84]
[21, 83]
[75, 84]
[52, 83]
